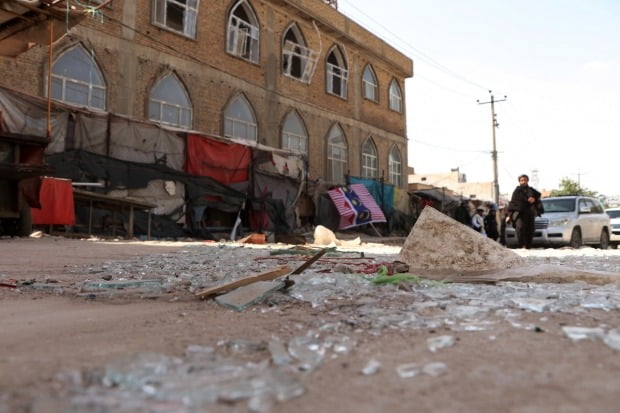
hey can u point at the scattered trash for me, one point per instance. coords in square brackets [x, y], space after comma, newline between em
[264, 276]
[247, 295]
[435, 369]
[254, 238]
[408, 370]
[612, 339]
[371, 367]
[325, 236]
[582, 333]
[436, 343]
[537, 305]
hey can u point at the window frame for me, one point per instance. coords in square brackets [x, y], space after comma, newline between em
[365, 84]
[395, 168]
[248, 47]
[241, 123]
[336, 74]
[89, 85]
[297, 51]
[190, 26]
[395, 99]
[288, 136]
[369, 161]
[162, 104]
[336, 133]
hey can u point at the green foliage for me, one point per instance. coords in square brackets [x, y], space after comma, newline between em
[570, 187]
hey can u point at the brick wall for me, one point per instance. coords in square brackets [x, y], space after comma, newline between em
[133, 54]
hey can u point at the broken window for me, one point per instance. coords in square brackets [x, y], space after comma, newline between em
[369, 159]
[369, 84]
[395, 167]
[176, 15]
[337, 74]
[169, 103]
[337, 155]
[294, 135]
[298, 61]
[396, 97]
[243, 32]
[239, 121]
[76, 79]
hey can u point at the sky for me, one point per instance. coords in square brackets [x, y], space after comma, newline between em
[556, 61]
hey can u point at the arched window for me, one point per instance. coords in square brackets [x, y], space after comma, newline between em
[169, 103]
[76, 79]
[395, 166]
[369, 84]
[239, 120]
[243, 32]
[369, 159]
[337, 73]
[396, 97]
[336, 155]
[298, 61]
[294, 135]
[176, 15]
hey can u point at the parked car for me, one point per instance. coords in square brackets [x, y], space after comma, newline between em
[614, 215]
[573, 221]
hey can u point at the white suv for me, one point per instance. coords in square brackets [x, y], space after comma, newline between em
[569, 220]
[614, 214]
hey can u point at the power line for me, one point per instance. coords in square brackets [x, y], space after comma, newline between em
[423, 56]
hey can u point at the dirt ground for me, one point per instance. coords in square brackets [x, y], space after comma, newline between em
[503, 370]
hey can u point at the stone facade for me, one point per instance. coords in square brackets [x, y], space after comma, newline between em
[133, 54]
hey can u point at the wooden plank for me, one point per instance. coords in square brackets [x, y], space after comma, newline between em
[310, 261]
[263, 276]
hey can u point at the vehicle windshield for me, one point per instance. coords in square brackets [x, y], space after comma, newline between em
[613, 214]
[559, 205]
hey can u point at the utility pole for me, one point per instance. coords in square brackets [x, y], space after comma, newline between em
[494, 124]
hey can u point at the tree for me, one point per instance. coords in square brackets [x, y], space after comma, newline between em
[570, 187]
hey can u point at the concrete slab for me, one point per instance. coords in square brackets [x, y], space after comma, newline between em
[441, 246]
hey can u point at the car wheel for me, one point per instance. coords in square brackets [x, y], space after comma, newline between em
[614, 246]
[575, 238]
[604, 240]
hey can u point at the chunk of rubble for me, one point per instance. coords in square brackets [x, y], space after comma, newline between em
[325, 236]
[441, 248]
[438, 244]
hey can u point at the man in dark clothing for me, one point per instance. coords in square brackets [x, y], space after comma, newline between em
[490, 223]
[462, 214]
[523, 208]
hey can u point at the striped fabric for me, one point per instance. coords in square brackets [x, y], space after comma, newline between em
[355, 205]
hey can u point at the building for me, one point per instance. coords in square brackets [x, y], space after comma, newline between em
[456, 182]
[293, 74]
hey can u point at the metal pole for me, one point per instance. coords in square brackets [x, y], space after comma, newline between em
[494, 125]
[494, 153]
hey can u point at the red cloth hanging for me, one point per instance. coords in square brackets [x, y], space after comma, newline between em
[225, 162]
[57, 207]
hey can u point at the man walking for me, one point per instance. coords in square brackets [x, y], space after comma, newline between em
[523, 208]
